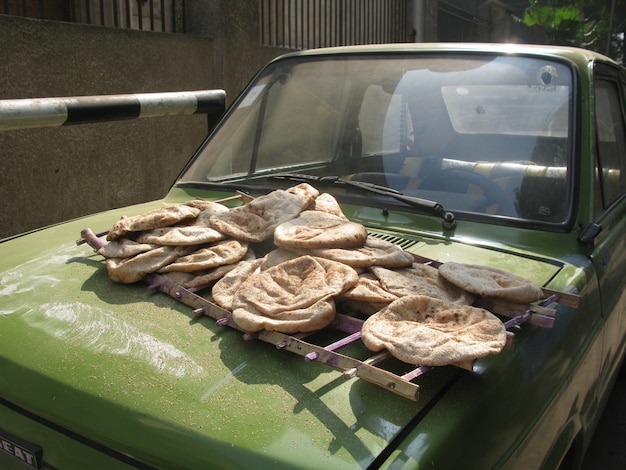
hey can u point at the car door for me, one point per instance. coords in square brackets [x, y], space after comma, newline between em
[609, 250]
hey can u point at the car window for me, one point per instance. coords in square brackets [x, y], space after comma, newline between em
[611, 141]
[388, 131]
[289, 117]
[540, 110]
[301, 121]
[481, 134]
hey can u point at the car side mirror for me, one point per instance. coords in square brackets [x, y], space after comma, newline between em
[589, 232]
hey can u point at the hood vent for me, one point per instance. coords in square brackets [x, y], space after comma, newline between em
[401, 242]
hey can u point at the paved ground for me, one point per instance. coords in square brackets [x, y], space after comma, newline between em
[608, 448]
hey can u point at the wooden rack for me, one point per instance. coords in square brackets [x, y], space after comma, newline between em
[369, 369]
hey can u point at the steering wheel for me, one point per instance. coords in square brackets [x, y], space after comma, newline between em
[448, 179]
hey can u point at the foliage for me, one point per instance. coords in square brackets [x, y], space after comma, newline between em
[598, 25]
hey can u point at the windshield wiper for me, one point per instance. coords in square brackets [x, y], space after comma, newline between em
[426, 205]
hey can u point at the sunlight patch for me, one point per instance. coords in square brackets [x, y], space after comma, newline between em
[99, 331]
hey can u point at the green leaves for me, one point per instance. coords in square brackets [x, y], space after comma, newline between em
[592, 24]
[551, 17]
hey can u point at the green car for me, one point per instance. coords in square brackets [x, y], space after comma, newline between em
[509, 159]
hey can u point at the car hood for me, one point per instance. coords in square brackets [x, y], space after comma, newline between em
[135, 371]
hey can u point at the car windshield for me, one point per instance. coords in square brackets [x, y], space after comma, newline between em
[480, 134]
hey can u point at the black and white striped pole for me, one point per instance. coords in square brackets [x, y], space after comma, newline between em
[55, 112]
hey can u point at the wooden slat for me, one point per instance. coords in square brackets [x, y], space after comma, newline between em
[541, 316]
[361, 369]
[564, 298]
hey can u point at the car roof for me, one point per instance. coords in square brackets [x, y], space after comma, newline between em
[577, 55]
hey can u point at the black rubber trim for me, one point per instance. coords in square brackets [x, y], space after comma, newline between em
[75, 436]
[402, 435]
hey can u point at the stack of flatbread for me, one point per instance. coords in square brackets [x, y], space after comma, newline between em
[201, 238]
[432, 323]
[170, 239]
[293, 296]
[318, 262]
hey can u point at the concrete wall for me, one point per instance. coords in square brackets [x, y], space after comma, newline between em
[234, 27]
[53, 174]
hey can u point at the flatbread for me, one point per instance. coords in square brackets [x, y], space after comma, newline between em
[368, 289]
[207, 209]
[375, 252]
[326, 202]
[317, 229]
[179, 277]
[197, 280]
[294, 296]
[224, 290]
[255, 221]
[181, 235]
[277, 256]
[420, 330]
[313, 317]
[217, 254]
[134, 269]
[491, 282]
[124, 248]
[421, 279]
[209, 276]
[162, 217]
[207, 206]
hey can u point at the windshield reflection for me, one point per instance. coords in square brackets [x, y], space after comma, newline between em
[479, 134]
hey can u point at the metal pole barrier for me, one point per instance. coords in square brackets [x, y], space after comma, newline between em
[54, 112]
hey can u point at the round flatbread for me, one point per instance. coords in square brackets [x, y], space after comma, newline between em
[162, 217]
[208, 276]
[368, 289]
[326, 202]
[255, 221]
[124, 248]
[420, 330]
[179, 277]
[317, 229]
[217, 254]
[491, 282]
[181, 235]
[294, 296]
[207, 206]
[197, 280]
[421, 279]
[224, 290]
[134, 269]
[207, 210]
[375, 252]
[277, 256]
[313, 317]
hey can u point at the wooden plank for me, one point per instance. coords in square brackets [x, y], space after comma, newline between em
[368, 372]
[541, 316]
[564, 298]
